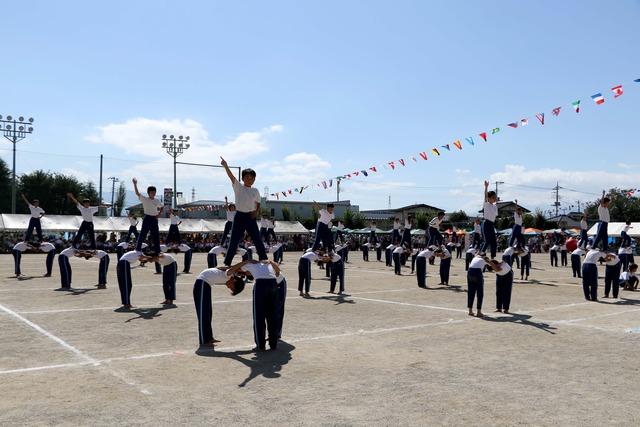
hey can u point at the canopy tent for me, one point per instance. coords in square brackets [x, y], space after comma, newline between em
[615, 228]
[418, 232]
[59, 223]
[532, 231]
[367, 230]
[505, 232]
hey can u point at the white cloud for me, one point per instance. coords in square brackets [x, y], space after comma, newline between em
[462, 171]
[627, 165]
[141, 136]
[295, 169]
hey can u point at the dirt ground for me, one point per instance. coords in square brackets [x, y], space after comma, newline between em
[388, 353]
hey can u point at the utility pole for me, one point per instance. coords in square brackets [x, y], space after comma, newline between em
[498, 183]
[338, 191]
[557, 202]
[100, 210]
[15, 130]
[389, 204]
[113, 190]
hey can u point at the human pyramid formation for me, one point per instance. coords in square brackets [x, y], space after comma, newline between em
[242, 238]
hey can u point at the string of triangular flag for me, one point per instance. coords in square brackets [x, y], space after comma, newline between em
[598, 99]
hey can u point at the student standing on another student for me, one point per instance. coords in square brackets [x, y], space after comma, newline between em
[34, 222]
[435, 237]
[516, 232]
[133, 224]
[602, 235]
[247, 209]
[152, 209]
[340, 233]
[395, 235]
[477, 234]
[174, 232]
[406, 234]
[87, 211]
[490, 209]
[323, 231]
[231, 213]
[584, 226]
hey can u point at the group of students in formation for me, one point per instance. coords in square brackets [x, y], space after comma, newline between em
[243, 238]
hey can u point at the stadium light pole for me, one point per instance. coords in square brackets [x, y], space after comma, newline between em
[175, 147]
[113, 190]
[15, 130]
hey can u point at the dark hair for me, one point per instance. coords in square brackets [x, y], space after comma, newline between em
[606, 199]
[248, 171]
[151, 188]
[633, 266]
[628, 222]
[36, 201]
[238, 285]
[330, 205]
[86, 201]
[491, 194]
[440, 213]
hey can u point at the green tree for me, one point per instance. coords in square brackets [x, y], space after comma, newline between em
[539, 221]
[358, 220]
[459, 218]
[527, 220]
[121, 196]
[422, 220]
[286, 214]
[348, 218]
[5, 187]
[51, 189]
[621, 207]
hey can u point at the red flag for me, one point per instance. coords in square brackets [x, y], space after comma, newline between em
[483, 135]
[373, 168]
[423, 154]
[556, 111]
[356, 173]
[290, 192]
[540, 116]
[458, 144]
[392, 164]
[617, 91]
[401, 162]
[513, 125]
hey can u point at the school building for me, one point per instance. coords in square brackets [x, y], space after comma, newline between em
[384, 217]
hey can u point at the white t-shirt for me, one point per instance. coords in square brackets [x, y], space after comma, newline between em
[584, 225]
[554, 248]
[35, 211]
[263, 223]
[427, 253]
[222, 250]
[246, 197]
[446, 254]
[435, 222]
[340, 226]
[260, 270]
[21, 246]
[131, 256]
[477, 229]
[490, 211]
[325, 217]
[613, 261]
[517, 218]
[175, 219]
[626, 276]
[578, 252]
[270, 224]
[390, 247]
[133, 221]
[311, 256]
[396, 225]
[603, 214]
[166, 259]
[407, 225]
[150, 206]
[593, 256]
[471, 251]
[213, 276]
[69, 252]
[509, 251]
[367, 245]
[231, 215]
[504, 269]
[101, 254]
[398, 250]
[335, 257]
[477, 262]
[87, 213]
[274, 248]
[47, 247]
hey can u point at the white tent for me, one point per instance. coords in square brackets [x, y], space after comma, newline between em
[615, 228]
[58, 223]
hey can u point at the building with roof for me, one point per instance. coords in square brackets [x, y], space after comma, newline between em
[385, 217]
[303, 210]
[506, 209]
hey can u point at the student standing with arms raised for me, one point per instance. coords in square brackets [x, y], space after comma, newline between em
[490, 209]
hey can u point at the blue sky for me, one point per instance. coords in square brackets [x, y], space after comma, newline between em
[306, 91]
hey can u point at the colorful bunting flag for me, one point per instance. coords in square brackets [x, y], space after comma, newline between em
[446, 146]
[365, 173]
[470, 140]
[423, 154]
[414, 159]
[598, 98]
[524, 122]
[513, 125]
[637, 80]
[356, 173]
[284, 194]
[495, 130]
[373, 169]
[324, 184]
[540, 117]
[483, 135]
[556, 111]
[392, 164]
[401, 162]
[617, 91]
[330, 182]
[458, 144]
[576, 105]
[435, 151]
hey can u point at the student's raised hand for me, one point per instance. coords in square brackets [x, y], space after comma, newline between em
[486, 184]
[223, 162]
[134, 180]
[70, 195]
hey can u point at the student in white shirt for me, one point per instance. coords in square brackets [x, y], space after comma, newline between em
[602, 235]
[45, 247]
[395, 235]
[475, 283]
[202, 299]
[397, 259]
[266, 315]
[247, 209]
[184, 248]
[17, 250]
[323, 230]
[340, 232]
[516, 232]
[590, 273]
[271, 234]
[212, 256]
[263, 228]
[477, 234]
[337, 271]
[576, 262]
[421, 265]
[525, 263]
[553, 255]
[231, 213]
[435, 237]
[388, 255]
[628, 280]
[504, 285]
[87, 211]
[123, 270]
[133, 224]
[612, 275]
[373, 239]
[174, 231]
[471, 252]
[36, 213]
[445, 265]
[169, 276]
[152, 209]
[490, 209]
[406, 234]
[584, 226]
[65, 265]
[365, 251]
